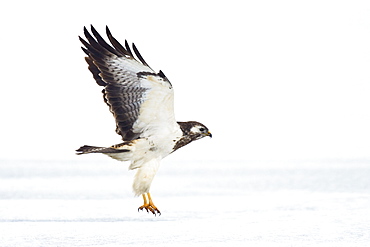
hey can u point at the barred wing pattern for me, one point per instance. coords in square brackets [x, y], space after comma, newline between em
[140, 99]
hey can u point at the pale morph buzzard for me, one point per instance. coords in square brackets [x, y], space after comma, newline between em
[141, 101]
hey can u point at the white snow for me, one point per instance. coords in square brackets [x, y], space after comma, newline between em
[210, 203]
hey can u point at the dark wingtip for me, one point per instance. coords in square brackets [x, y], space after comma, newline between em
[160, 73]
[108, 31]
[93, 30]
[85, 30]
[85, 50]
[138, 55]
[128, 49]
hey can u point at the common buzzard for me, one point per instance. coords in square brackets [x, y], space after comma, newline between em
[141, 101]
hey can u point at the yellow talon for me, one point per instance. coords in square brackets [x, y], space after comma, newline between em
[149, 205]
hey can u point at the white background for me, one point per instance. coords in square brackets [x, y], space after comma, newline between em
[282, 85]
[271, 79]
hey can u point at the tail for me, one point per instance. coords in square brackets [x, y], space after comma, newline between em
[91, 149]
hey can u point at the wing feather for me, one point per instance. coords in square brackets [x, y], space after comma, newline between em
[140, 99]
[102, 42]
[137, 53]
[116, 44]
[128, 49]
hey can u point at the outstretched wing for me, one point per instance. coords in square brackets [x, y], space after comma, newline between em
[140, 99]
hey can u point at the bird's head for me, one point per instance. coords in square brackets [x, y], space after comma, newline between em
[199, 131]
[195, 130]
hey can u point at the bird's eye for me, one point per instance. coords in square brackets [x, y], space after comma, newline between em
[202, 129]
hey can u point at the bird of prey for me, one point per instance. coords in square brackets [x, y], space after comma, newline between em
[142, 103]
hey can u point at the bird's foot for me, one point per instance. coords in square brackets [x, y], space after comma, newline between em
[149, 205]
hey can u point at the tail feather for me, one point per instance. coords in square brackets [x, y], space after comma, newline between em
[92, 149]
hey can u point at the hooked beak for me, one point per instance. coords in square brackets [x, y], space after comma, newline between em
[209, 134]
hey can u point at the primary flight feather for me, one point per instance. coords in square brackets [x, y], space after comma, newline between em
[142, 104]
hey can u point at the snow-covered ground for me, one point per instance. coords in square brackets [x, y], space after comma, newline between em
[202, 204]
